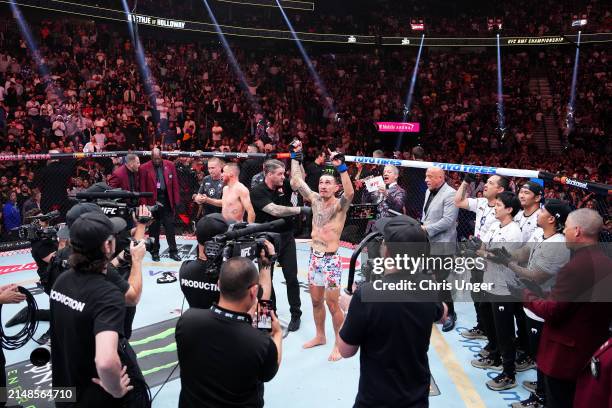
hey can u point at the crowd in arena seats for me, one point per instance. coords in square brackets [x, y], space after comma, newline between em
[93, 98]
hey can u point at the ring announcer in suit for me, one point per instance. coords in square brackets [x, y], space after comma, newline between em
[439, 220]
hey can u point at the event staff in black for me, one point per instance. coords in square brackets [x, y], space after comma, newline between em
[198, 278]
[87, 317]
[392, 327]
[271, 201]
[211, 187]
[224, 360]
[8, 294]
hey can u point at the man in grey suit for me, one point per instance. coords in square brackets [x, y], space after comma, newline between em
[439, 220]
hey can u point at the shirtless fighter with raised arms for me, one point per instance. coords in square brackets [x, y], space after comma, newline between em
[235, 200]
[325, 266]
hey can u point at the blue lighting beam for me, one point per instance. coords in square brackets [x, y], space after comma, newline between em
[40, 64]
[570, 119]
[410, 95]
[233, 61]
[313, 72]
[500, 94]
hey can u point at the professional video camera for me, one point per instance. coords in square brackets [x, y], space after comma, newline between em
[120, 203]
[34, 231]
[244, 240]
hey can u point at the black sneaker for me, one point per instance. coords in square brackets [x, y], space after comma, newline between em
[449, 324]
[474, 334]
[524, 363]
[294, 324]
[487, 363]
[530, 386]
[533, 401]
[502, 382]
[155, 257]
[175, 256]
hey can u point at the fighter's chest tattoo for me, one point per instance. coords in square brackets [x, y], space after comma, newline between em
[322, 215]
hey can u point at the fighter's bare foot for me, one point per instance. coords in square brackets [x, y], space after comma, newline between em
[317, 341]
[335, 354]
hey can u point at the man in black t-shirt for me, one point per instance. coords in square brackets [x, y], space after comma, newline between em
[198, 278]
[314, 170]
[392, 328]
[224, 360]
[272, 201]
[87, 316]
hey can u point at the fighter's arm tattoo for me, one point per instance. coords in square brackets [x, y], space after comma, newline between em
[298, 184]
[276, 210]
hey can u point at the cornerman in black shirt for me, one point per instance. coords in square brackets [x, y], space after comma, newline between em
[198, 278]
[392, 328]
[224, 360]
[271, 201]
[87, 315]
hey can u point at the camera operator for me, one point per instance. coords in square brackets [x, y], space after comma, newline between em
[8, 294]
[393, 332]
[87, 316]
[43, 251]
[124, 262]
[271, 201]
[198, 278]
[212, 343]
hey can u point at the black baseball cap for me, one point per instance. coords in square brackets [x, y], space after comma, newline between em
[100, 187]
[532, 186]
[559, 209]
[79, 209]
[401, 228]
[209, 226]
[89, 231]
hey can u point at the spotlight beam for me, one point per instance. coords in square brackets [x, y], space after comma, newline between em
[232, 59]
[500, 93]
[145, 72]
[40, 63]
[311, 68]
[410, 94]
[569, 121]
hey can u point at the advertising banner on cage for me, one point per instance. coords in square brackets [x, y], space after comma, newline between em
[410, 127]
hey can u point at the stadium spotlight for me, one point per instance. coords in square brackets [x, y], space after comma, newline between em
[494, 23]
[579, 20]
[417, 24]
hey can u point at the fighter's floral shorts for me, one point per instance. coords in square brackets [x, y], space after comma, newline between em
[324, 270]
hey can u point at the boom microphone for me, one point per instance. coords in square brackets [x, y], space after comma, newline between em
[252, 229]
[112, 195]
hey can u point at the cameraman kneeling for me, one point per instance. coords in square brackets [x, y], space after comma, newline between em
[87, 317]
[212, 343]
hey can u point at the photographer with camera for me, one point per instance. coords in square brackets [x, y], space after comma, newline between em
[88, 314]
[198, 278]
[125, 270]
[272, 201]
[43, 240]
[211, 343]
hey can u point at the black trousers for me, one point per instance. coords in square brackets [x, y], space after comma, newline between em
[165, 216]
[534, 331]
[288, 260]
[444, 295]
[559, 393]
[498, 317]
[521, 330]
[476, 277]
